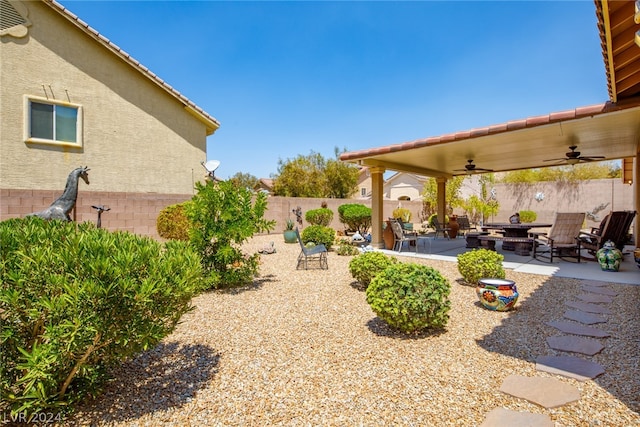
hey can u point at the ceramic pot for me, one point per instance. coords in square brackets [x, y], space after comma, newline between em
[497, 294]
[387, 236]
[290, 236]
[609, 257]
[454, 227]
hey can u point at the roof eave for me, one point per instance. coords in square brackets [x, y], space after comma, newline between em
[209, 121]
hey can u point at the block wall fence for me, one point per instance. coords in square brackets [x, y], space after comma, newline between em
[137, 212]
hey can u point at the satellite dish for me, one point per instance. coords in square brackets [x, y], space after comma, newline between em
[211, 165]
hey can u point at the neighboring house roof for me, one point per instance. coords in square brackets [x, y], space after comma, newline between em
[264, 184]
[398, 175]
[210, 122]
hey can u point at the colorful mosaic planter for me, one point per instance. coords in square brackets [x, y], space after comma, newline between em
[497, 294]
[609, 257]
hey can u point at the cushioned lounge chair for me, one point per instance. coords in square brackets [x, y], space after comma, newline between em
[562, 239]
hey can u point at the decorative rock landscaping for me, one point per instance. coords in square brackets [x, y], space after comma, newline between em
[303, 348]
[552, 393]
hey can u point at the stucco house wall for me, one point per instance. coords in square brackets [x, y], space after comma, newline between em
[403, 186]
[138, 138]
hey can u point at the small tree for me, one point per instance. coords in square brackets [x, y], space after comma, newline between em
[223, 217]
[430, 196]
[322, 216]
[302, 176]
[342, 178]
[244, 180]
[483, 205]
[355, 217]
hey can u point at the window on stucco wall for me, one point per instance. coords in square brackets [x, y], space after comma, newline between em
[52, 122]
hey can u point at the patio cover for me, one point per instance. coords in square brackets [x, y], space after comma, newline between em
[610, 129]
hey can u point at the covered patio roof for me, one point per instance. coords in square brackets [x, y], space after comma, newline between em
[610, 129]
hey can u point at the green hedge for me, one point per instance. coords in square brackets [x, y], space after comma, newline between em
[76, 301]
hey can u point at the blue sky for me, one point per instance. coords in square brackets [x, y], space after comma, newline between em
[288, 78]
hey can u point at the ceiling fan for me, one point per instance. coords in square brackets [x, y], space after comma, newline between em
[574, 157]
[471, 168]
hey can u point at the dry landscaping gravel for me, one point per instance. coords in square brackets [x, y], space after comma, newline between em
[303, 348]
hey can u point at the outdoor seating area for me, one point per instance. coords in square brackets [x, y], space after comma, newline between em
[563, 266]
[541, 248]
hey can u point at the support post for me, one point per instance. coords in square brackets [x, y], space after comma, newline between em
[441, 200]
[636, 196]
[377, 181]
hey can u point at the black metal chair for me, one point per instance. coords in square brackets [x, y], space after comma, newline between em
[315, 253]
[439, 228]
[464, 225]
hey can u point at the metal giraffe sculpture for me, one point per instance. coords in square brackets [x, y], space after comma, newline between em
[62, 206]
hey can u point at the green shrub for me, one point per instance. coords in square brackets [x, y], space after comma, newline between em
[368, 265]
[318, 234]
[75, 301]
[346, 248]
[403, 213]
[410, 297]
[355, 217]
[480, 263]
[528, 216]
[223, 216]
[322, 216]
[172, 222]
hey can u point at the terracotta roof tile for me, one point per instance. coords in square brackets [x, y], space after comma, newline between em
[585, 111]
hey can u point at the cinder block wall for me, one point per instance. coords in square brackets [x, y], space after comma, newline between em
[133, 212]
[137, 212]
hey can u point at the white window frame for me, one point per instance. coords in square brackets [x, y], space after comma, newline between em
[363, 191]
[27, 123]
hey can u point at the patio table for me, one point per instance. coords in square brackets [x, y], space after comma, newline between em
[514, 230]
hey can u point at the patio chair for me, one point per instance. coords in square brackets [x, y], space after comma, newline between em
[614, 227]
[399, 236]
[561, 240]
[464, 225]
[439, 228]
[315, 253]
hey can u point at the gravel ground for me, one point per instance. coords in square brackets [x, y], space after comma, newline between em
[302, 348]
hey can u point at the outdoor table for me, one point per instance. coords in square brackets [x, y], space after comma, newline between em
[514, 230]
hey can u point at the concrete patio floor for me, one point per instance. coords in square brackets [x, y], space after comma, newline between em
[447, 250]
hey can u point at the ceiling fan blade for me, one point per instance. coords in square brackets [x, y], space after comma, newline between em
[556, 160]
[590, 158]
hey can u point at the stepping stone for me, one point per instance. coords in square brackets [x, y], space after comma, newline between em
[582, 317]
[587, 307]
[595, 298]
[547, 392]
[599, 290]
[575, 344]
[595, 283]
[577, 329]
[569, 366]
[502, 417]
